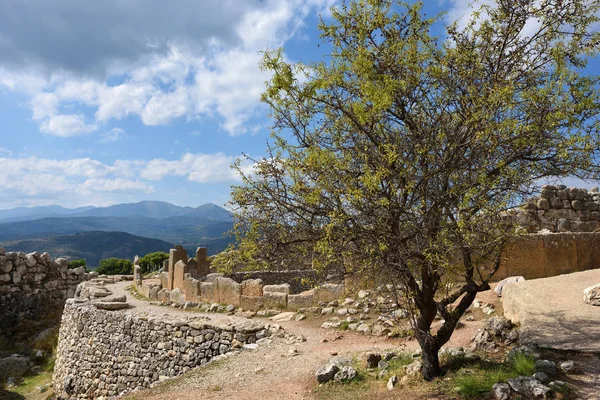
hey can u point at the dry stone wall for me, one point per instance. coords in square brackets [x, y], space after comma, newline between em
[108, 353]
[561, 209]
[33, 286]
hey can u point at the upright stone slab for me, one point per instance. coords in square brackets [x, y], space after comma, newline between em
[191, 288]
[164, 280]
[178, 274]
[229, 291]
[302, 300]
[137, 272]
[202, 260]
[175, 255]
[192, 267]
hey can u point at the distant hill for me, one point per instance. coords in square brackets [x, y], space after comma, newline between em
[93, 246]
[150, 209]
[206, 225]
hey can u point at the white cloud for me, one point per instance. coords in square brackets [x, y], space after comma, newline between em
[200, 168]
[113, 135]
[67, 125]
[173, 75]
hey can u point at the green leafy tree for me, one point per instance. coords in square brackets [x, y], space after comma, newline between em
[76, 264]
[400, 152]
[115, 266]
[153, 261]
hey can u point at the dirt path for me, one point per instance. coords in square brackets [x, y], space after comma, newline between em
[271, 371]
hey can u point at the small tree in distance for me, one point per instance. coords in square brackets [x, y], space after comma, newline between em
[77, 263]
[115, 266]
[153, 261]
[400, 153]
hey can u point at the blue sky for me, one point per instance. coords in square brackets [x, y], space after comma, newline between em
[103, 102]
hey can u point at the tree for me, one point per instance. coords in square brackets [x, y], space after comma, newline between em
[153, 261]
[115, 266]
[402, 151]
[76, 264]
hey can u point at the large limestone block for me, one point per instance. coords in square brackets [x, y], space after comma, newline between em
[209, 292]
[284, 288]
[180, 271]
[164, 280]
[202, 260]
[302, 300]
[163, 295]
[561, 254]
[176, 296]
[591, 295]
[192, 267]
[253, 303]
[137, 275]
[511, 279]
[275, 299]
[191, 288]
[252, 287]
[175, 255]
[229, 291]
[328, 292]
[525, 257]
[588, 251]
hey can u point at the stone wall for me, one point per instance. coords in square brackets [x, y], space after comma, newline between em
[108, 353]
[299, 280]
[33, 286]
[545, 255]
[560, 209]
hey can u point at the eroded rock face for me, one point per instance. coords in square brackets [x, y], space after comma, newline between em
[591, 295]
[529, 387]
[503, 282]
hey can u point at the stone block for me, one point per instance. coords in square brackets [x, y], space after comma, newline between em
[137, 275]
[163, 295]
[179, 271]
[302, 300]
[251, 302]
[192, 267]
[229, 291]
[202, 260]
[164, 280]
[175, 255]
[176, 296]
[588, 251]
[561, 254]
[275, 299]
[252, 287]
[328, 292]
[191, 288]
[283, 288]
[209, 292]
[526, 257]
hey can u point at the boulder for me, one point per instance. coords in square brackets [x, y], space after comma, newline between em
[229, 291]
[529, 387]
[568, 366]
[501, 391]
[346, 374]
[546, 366]
[15, 365]
[503, 282]
[498, 326]
[208, 292]
[370, 359]
[392, 382]
[112, 306]
[326, 373]
[591, 295]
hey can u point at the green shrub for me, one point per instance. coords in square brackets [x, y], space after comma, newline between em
[153, 261]
[115, 266]
[472, 386]
[344, 325]
[77, 263]
[523, 364]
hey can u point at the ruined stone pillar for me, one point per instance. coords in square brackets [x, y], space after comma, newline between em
[137, 272]
[203, 263]
[175, 255]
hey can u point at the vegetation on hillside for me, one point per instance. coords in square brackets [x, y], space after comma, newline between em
[115, 266]
[153, 261]
[399, 153]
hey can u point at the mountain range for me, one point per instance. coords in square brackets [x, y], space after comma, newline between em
[55, 229]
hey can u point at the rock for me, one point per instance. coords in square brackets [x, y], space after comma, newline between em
[107, 305]
[498, 326]
[382, 365]
[557, 386]
[340, 361]
[363, 294]
[591, 295]
[528, 350]
[502, 283]
[346, 374]
[413, 368]
[326, 373]
[489, 309]
[392, 382]
[15, 365]
[327, 310]
[529, 387]
[541, 376]
[364, 328]
[546, 366]
[370, 359]
[284, 316]
[501, 391]
[115, 299]
[568, 366]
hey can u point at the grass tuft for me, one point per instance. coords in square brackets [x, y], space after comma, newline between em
[523, 364]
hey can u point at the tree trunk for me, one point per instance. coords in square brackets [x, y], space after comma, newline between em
[431, 361]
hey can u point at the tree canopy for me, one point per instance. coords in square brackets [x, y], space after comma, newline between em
[115, 266]
[401, 151]
[153, 261]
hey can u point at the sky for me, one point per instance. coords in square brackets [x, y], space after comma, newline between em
[105, 102]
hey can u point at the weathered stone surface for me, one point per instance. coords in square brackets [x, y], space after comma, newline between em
[392, 382]
[176, 296]
[15, 365]
[591, 295]
[284, 316]
[180, 269]
[283, 288]
[298, 301]
[139, 350]
[108, 305]
[175, 255]
[501, 391]
[275, 300]
[326, 373]
[191, 288]
[209, 292]
[328, 292]
[546, 366]
[346, 374]
[370, 359]
[503, 282]
[229, 291]
[529, 387]
[251, 302]
[203, 263]
[252, 287]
